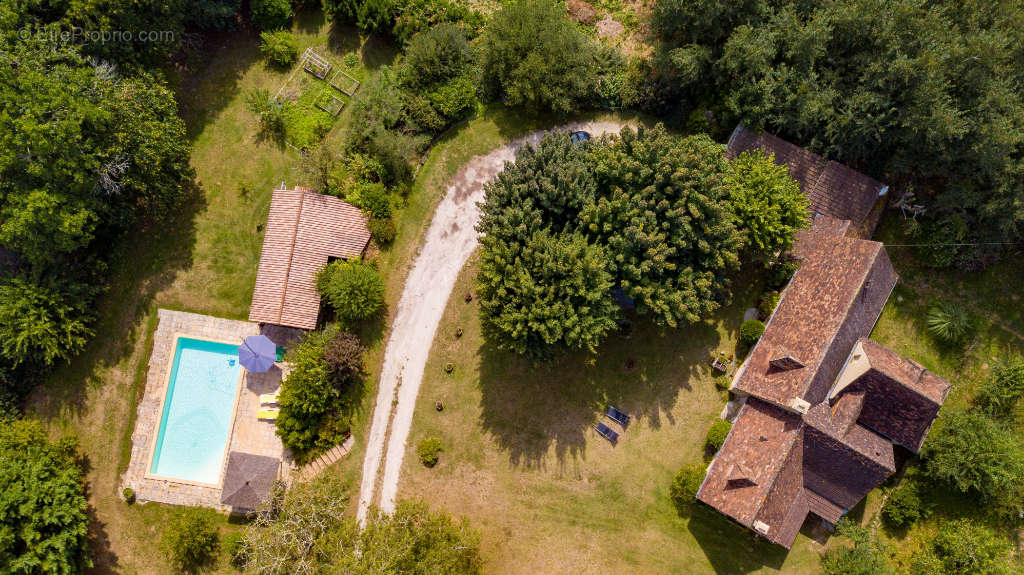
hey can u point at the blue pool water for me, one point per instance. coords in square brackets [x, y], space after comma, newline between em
[196, 419]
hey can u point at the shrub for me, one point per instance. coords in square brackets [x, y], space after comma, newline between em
[383, 230]
[750, 332]
[716, 434]
[782, 272]
[434, 57]
[455, 99]
[307, 394]
[344, 356]
[279, 47]
[270, 113]
[978, 455]
[190, 538]
[373, 198]
[965, 546]
[867, 556]
[354, 289]
[129, 495]
[428, 450]
[271, 14]
[43, 322]
[948, 322]
[234, 545]
[903, 507]
[685, 485]
[769, 301]
[1002, 390]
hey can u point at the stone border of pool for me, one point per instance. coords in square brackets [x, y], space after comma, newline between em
[175, 339]
[247, 434]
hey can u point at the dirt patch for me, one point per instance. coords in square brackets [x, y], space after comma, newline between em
[609, 28]
[581, 12]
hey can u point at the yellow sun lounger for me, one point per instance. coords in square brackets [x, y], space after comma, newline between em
[268, 398]
[268, 414]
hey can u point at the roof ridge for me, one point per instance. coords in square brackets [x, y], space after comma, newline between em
[291, 253]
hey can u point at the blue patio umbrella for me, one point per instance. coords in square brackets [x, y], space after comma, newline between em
[257, 353]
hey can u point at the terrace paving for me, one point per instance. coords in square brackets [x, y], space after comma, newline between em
[247, 435]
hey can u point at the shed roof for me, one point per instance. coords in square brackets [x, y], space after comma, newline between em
[248, 479]
[832, 188]
[304, 231]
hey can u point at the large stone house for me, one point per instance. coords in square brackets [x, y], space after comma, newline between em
[824, 408]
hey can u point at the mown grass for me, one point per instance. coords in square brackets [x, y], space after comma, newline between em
[522, 462]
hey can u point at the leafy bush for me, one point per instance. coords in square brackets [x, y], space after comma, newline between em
[428, 450]
[904, 507]
[370, 16]
[308, 393]
[1004, 387]
[978, 455]
[383, 230]
[948, 322]
[128, 494]
[717, 434]
[190, 538]
[434, 57]
[271, 14]
[43, 515]
[685, 486]
[769, 301]
[354, 289]
[533, 56]
[416, 16]
[455, 99]
[866, 557]
[750, 332]
[781, 272]
[966, 546]
[344, 356]
[279, 47]
[373, 198]
[270, 113]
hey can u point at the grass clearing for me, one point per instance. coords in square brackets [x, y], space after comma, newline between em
[522, 462]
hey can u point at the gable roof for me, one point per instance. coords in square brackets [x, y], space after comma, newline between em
[834, 298]
[832, 188]
[816, 431]
[304, 231]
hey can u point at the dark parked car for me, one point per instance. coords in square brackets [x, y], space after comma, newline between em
[578, 137]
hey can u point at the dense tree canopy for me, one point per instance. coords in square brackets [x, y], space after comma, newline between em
[534, 57]
[84, 154]
[646, 213]
[965, 546]
[43, 520]
[768, 204]
[920, 91]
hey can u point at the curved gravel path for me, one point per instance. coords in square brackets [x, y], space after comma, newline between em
[449, 242]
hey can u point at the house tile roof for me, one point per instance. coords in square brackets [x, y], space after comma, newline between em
[823, 405]
[304, 231]
[832, 188]
[834, 298]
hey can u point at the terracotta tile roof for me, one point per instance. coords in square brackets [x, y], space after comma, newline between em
[833, 189]
[759, 442]
[304, 231]
[834, 298]
[902, 398]
[819, 422]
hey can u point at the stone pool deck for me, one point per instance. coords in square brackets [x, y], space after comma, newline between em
[247, 434]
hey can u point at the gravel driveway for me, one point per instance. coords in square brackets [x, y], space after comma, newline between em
[449, 242]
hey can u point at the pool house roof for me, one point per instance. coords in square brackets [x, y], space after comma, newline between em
[304, 231]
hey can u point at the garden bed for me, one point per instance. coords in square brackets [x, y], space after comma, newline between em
[312, 104]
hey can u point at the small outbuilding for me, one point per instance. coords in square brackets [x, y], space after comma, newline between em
[305, 230]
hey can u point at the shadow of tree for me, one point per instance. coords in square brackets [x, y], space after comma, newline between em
[309, 18]
[208, 78]
[530, 408]
[342, 37]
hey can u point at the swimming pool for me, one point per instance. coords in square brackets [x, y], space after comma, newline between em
[197, 411]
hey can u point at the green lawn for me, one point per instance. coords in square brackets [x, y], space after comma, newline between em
[522, 463]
